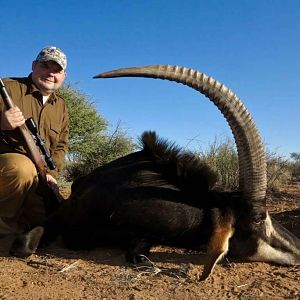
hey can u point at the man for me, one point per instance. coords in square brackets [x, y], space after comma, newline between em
[34, 96]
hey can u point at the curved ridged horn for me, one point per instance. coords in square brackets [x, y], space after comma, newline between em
[251, 154]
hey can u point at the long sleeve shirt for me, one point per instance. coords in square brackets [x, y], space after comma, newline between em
[51, 118]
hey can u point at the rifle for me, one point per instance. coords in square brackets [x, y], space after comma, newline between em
[38, 153]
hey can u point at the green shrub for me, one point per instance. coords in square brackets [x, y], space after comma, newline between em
[112, 147]
[222, 158]
[295, 164]
[278, 170]
[90, 143]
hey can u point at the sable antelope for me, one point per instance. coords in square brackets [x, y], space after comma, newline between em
[161, 195]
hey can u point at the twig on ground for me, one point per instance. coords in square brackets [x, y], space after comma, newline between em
[71, 266]
[242, 285]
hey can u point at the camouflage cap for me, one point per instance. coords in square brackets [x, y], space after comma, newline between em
[53, 53]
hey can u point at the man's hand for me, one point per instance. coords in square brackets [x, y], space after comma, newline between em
[52, 183]
[11, 118]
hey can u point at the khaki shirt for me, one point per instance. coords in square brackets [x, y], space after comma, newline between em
[51, 119]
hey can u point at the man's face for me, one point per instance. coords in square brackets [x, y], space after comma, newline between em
[48, 76]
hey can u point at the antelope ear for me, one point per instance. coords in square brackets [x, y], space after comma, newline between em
[218, 245]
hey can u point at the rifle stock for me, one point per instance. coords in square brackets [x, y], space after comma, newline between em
[50, 198]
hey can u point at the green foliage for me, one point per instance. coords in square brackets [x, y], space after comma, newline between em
[112, 146]
[86, 125]
[222, 158]
[90, 143]
[296, 156]
[278, 170]
[295, 165]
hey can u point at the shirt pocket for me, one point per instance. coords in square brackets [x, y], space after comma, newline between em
[54, 133]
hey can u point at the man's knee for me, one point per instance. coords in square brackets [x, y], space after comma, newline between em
[18, 177]
[18, 167]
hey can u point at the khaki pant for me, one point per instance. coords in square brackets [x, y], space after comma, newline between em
[20, 207]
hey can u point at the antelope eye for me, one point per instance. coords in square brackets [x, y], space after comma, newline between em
[259, 219]
[258, 222]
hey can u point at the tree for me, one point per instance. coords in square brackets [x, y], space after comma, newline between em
[90, 143]
[296, 156]
[296, 164]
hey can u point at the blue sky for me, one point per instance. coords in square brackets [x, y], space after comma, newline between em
[253, 47]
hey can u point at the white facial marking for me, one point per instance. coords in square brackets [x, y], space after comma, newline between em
[269, 226]
[267, 253]
[271, 232]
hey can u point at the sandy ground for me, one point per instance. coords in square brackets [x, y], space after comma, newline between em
[58, 273]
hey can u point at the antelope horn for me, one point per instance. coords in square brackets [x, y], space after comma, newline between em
[251, 154]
